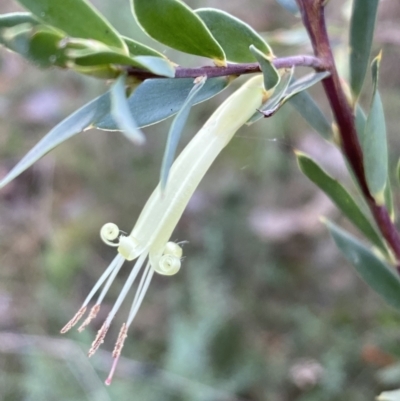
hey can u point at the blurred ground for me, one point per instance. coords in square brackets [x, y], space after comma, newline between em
[264, 307]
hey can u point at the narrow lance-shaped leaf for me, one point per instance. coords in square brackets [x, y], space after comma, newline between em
[381, 277]
[76, 122]
[121, 113]
[309, 110]
[176, 129]
[340, 197]
[88, 58]
[361, 121]
[362, 27]
[270, 73]
[374, 143]
[77, 18]
[304, 83]
[173, 23]
[139, 49]
[234, 35]
[157, 99]
[87, 52]
[295, 87]
[154, 100]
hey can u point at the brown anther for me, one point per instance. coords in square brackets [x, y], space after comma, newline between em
[123, 333]
[93, 313]
[99, 339]
[74, 320]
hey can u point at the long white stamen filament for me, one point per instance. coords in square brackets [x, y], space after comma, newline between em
[118, 259]
[141, 282]
[138, 301]
[128, 284]
[110, 280]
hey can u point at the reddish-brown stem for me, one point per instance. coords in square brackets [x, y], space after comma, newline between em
[232, 69]
[312, 13]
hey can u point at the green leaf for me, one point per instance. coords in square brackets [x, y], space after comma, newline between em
[175, 131]
[393, 395]
[374, 143]
[304, 83]
[75, 123]
[156, 65]
[381, 277]
[173, 23]
[310, 111]
[340, 197]
[295, 87]
[38, 44]
[139, 49]
[362, 27]
[154, 100]
[270, 73]
[157, 99]
[360, 120]
[234, 35]
[289, 5]
[12, 19]
[77, 18]
[388, 196]
[92, 53]
[121, 113]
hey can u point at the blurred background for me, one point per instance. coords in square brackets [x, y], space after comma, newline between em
[264, 308]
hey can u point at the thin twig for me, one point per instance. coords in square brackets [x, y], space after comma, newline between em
[312, 12]
[232, 69]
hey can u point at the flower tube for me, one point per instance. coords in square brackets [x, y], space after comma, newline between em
[150, 236]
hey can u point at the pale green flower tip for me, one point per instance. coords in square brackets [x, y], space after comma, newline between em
[128, 247]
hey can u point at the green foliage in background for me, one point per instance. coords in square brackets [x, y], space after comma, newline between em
[211, 348]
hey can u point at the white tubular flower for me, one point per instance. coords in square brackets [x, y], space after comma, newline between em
[149, 238]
